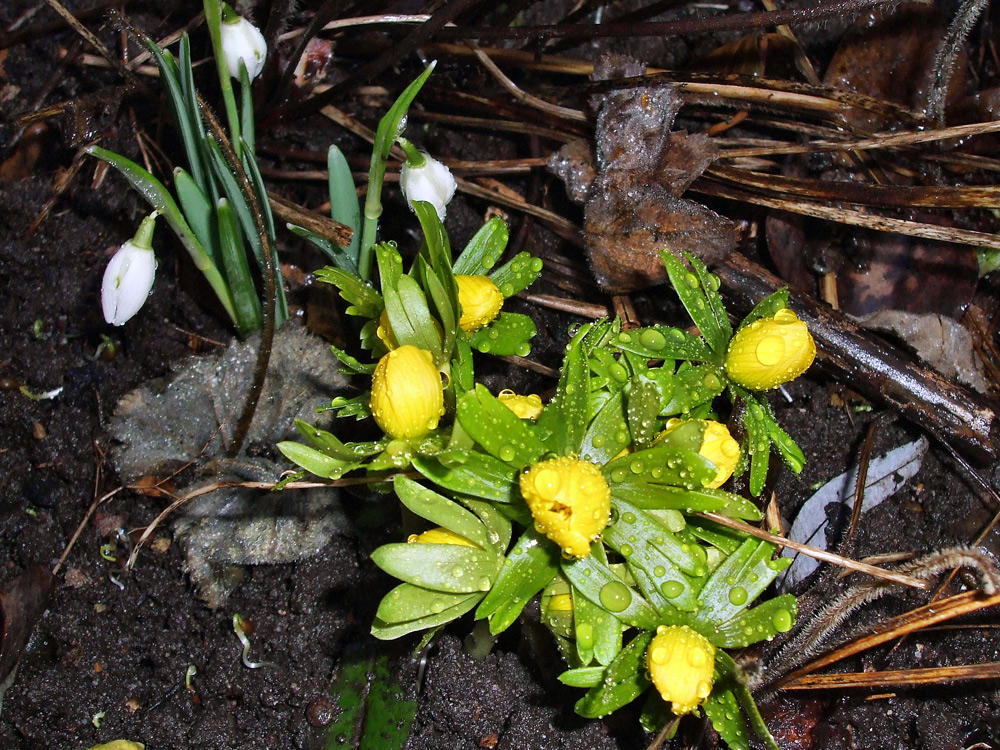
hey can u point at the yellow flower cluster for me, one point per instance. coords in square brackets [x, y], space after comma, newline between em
[681, 664]
[407, 395]
[717, 445]
[770, 351]
[570, 501]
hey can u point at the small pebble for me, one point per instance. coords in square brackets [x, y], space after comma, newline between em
[320, 712]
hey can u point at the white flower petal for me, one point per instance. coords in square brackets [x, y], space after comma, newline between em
[243, 41]
[128, 280]
[431, 182]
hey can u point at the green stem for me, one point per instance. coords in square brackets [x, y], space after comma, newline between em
[213, 19]
[414, 158]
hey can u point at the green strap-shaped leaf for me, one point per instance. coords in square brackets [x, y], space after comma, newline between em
[695, 301]
[582, 677]
[184, 117]
[441, 511]
[234, 263]
[663, 464]
[663, 342]
[693, 386]
[362, 298]
[484, 249]
[643, 408]
[646, 529]
[352, 365]
[344, 206]
[729, 671]
[563, 422]
[453, 568]
[408, 603]
[529, 567]
[738, 581]
[480, 476]
[196, 159]
[598, 583]
[248, 128]
[723, 711]
[517, 274]
[508, 334]
[497, 429]
[710, 285]
[199, 213]
[624, 681]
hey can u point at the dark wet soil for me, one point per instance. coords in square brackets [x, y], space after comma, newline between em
[109, 658]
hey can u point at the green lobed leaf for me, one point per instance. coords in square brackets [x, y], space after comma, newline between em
[608, 433]
[582, 677]
[410, 318]
[643, 408]
[597, 630]
[351, 365]
[333, 252]
[638, 476]
[314, 461]
[723, 711]
[480, 476]
[331, 445]
[517, 274]
[508, 334]
[497, 525]
[462, 373]
[710, 285]
[647, 530]
[484, 249]
[359, 406]
[453, 568]
[624, 681]
[365, 301]
[600, 585]
[441, 511]
[763, 622]
[663, 342]
[446, 306]
[692, 386]
[563, 422]
[408, 603]
[693, 297]
[529, 567]
[390, 264]
[497, 429]
[738, 581]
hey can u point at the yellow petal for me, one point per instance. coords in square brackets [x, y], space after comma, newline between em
[681, 664]
[525, 407]
[569, 500]
[407, 396]
[770, 351]
[440, 535]
[717, 445]
[480, 300]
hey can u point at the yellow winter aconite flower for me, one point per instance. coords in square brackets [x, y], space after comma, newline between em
[384, 332]
[681, 663]
[569, 500]
[717, 445]
[480, 300]
[440, 535]
[407, 395]
[525, 407]
[770, 351]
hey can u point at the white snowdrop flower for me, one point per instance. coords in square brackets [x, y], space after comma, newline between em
[241, 40]
[424, 178]
[129, 276]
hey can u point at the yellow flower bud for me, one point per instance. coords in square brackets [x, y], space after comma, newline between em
[569, 500]
[525, 407]
[717, 445]
[440, 535]
[681, 664]
[407, 395]
[770, 351]
[384, 332]
[480, 300]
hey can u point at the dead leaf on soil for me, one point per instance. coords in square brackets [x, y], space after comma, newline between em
[22, 603]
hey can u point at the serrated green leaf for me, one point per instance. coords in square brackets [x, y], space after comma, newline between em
[440, 567]
[593, 579]
[763, 622]
[484, 249]
[508, 334]
[695, 301]
[517, 274]
[480, 476]
[365, 301]
[441, 511]
[497, 429]
[529, 567]
[624, 681]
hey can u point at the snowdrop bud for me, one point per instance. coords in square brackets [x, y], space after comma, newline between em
[241, 40]
[681, 664]
[129, 276]
[407, 396]
[569, 500]
[424, 178]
